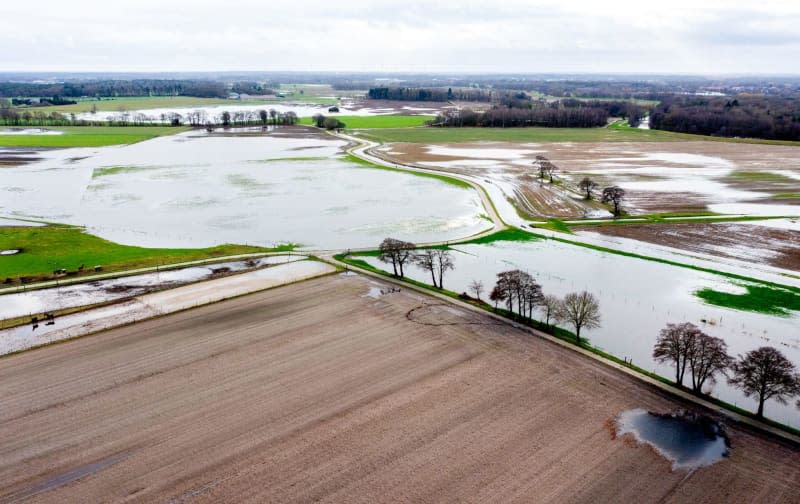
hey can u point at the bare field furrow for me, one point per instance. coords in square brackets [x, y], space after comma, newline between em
[317, 392]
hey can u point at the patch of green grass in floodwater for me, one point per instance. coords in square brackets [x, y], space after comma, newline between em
[786, 196]
[378, 121]
[114, 170]
[49, 248]
[510, 234]
[758, 298]
[90, 136]
[555, 225]
[761, 176]
[291, 159]
[442, 178]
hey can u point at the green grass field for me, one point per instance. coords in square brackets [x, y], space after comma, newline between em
[377, 122]
[90, 136]
[50, 248]
[758, 298]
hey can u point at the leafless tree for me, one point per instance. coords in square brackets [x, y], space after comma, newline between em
[614, 195]
[520, 287]
[444, 262]
[437, 261]
[587, 185]
[580, 309]
[766, 374]
[263, 115]
[674, 345]
[425, 260]
[397, 252]
[550, 307]
[274, 115]
[708, 356]
[476, 287]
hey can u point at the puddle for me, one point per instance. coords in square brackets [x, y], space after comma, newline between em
[9, 252]
[690, 441]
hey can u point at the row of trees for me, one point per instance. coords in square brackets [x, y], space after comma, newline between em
[773, 117]
[517, 290]
[545, 116]
[399, 253]
[429, 94]
[764, 373]
[116, 87]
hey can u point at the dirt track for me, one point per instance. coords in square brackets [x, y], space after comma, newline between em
[317, 391]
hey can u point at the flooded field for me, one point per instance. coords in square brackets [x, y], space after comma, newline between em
[213, 113]
[151, 304]
[637, 299]
[101, 291]
[197, 189]
[774, 243]
[672, 176]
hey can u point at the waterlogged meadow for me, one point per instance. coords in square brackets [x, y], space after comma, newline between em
[197, 190]
[637, 299]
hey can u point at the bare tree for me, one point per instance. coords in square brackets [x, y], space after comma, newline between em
[226, 118]
[263, 115]
[587, 185]
[708, 357]
[549, 169]
[273, 114]
[426, 261]
[550, 307]
[614, 195]
[476, 287]
[520, 287]
[580, 309]
[397, 252]
[766, 374]
[444, 262]
[673, 345]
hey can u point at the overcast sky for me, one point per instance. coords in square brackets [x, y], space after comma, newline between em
[676, 36]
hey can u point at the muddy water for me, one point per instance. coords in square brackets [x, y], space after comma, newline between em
[689, 442]
[197, 190]
[637, 299]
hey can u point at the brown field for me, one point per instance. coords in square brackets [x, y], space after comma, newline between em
[751, 243]
[318, 392]
[760, 173]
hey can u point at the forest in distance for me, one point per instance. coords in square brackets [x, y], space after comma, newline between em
[765, 108]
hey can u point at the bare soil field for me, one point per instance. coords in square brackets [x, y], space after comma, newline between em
[746, 242]
[330, 391]
[658, 177]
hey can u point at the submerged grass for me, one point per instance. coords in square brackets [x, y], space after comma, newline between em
[46, 249]
[758, 298]
[442, 178]
[90, 136]
[761, 176]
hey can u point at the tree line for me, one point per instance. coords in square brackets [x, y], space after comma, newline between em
[768, 117]
[116, 88]
[516, 111]
[517, 290]
[429, 94]
[764, 373]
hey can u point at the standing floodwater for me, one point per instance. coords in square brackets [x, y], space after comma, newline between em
[689, 440]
